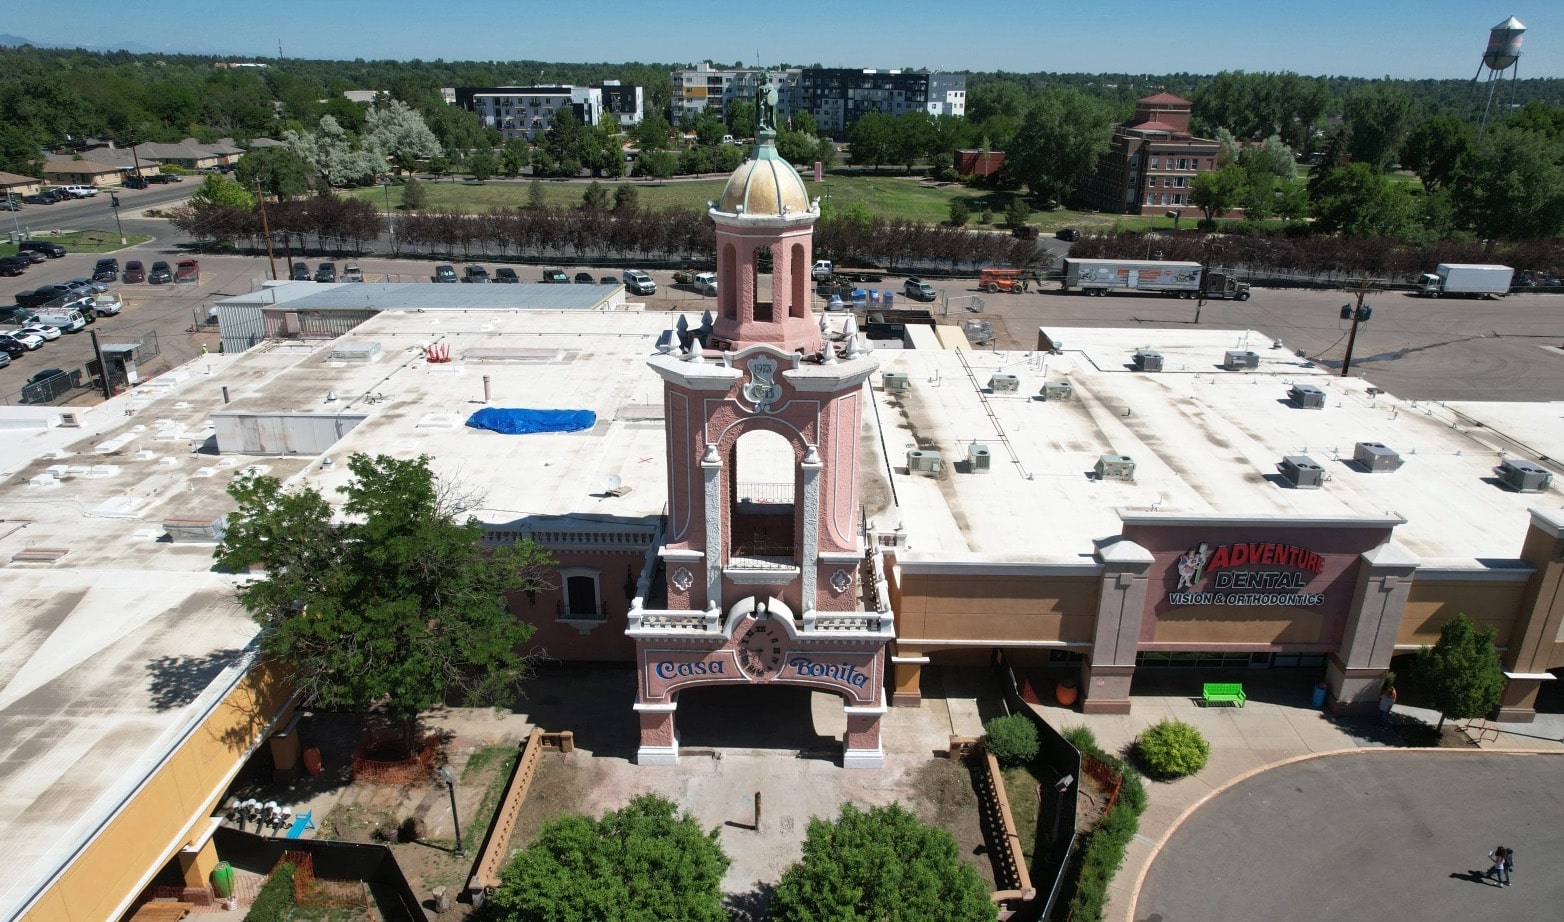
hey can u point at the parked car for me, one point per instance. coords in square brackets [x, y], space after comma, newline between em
[38, 297]
[29, 340]
[639, 282]
[705, 283]
[607, 280]
[187, 270]
[43, 331]
[444, 273]
[38, 198]
[15, 264]
[80, 191]
[161, 274]
[1067, 233]
[585, 278]
[555, 277]
[107, 304]
[5, 360]
[352, 273]
[507, 275]
[476, 274]
[33, 256]
[163, 178]
[106, 270]
[12, 347]
[51, 250]
[326, 272]
[134, 272]
[92, 285]
[10, 203]
[49, 384]
[919, 290]
[300, 272]
[135, 182]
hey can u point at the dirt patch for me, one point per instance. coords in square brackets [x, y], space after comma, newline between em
[946, 799]
[1420, 734]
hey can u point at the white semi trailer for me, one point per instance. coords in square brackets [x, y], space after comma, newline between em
[1466, 280]
[1100, 276]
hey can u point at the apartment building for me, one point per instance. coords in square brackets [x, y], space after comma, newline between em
[1151, 165]
[528, 111]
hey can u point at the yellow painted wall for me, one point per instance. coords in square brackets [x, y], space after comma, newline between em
[164, 815]
[1431, 603]
[999, 609]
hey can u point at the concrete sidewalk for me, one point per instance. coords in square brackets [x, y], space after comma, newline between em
[1245, 741]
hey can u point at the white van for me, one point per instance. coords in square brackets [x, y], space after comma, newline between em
[80, 191]
[68, 320]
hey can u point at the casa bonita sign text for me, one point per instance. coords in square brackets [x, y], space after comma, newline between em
[1294, 567]
[798, 667]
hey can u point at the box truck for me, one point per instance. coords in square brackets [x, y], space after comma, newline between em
[1466, 280]
[1099, 276]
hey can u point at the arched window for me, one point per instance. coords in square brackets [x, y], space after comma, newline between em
[798, 279]
[763, 499]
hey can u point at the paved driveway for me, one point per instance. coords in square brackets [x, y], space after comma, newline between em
[1368, 835]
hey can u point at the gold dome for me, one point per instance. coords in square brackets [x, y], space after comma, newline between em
[764, 186]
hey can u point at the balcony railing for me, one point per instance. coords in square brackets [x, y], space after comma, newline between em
[763, 493]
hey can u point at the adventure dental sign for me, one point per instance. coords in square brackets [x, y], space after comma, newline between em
[1293, 567]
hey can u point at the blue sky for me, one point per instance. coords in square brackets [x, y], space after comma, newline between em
[1367, 38]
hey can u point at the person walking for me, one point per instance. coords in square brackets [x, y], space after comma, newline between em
[1509, 865]
[1387, 698]
[1499, 871]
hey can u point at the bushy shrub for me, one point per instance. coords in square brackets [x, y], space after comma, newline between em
[1172, 749]
[274, 902]
[1011, 739]
[960, 212]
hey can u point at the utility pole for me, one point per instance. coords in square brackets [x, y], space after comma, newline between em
[1359, 314]
[266, 230]
[114, 203]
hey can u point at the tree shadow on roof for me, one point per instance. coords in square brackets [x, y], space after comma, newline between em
[178, 680]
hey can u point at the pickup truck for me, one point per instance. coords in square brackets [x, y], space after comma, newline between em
[824, 270]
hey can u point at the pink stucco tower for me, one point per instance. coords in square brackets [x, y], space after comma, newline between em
[765, 575]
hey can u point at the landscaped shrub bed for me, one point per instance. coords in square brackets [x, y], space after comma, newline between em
[274, 902]
[1172, 749]
[1102, 853]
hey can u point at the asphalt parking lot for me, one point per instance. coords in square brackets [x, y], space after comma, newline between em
[1417, 348]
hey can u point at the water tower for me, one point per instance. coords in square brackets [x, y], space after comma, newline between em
[1503, 55]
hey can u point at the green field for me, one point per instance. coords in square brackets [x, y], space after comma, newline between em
[882, 195]
[87, 241]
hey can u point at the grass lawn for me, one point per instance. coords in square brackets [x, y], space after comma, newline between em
[1021, 788]
[886, 195]
[88, 241]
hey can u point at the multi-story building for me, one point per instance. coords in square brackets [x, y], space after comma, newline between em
[836, 97]
[1151, 165]
[528, 111]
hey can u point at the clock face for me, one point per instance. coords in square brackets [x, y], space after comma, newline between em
[761, 653]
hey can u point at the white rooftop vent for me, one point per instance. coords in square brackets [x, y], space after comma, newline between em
[1056, 390]
[70, 420]
[896, 381]
[1004, 384]
[1307, 397]
[359, 351]
[1376, 457]
[1148, 360]
[924, 461]
[1115, 467]
[1524, 476]
[1302, 472]
[979, 459]
[1240, 358]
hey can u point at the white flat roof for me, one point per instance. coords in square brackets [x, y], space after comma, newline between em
[1204, 440]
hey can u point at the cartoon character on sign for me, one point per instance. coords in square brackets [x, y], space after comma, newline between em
[1192, 566]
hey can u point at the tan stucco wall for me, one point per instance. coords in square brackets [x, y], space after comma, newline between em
[1214, 625]
[997, 609]
[169, 810]
[1433, 602]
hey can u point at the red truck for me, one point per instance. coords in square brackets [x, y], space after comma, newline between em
[187, 270]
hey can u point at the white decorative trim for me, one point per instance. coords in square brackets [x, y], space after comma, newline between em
[811, 513]
[1532, 676]
[712, 481]
[918, 660]
[657, 755]
[682, 579]
[1551, 523]
[685, 554]
[584, 626]
[842, 580]
[987, 568]
[843, 558]
[771, 576]
[864, 758]
[655, 707]
[1216, 521]
[1519, 573]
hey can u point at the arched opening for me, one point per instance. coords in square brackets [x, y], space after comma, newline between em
[727, 282]
[762, 284]
[762, 502]
[798, 281]
[772, 717]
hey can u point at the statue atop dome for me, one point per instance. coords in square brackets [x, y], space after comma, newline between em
[766, 108]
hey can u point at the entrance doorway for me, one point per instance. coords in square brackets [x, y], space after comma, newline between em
[786, 718]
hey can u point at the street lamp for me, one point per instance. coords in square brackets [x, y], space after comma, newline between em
[114, 203]
[450, 783]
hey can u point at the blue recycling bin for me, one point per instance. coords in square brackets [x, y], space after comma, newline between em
[1319, 695]
[888, 297]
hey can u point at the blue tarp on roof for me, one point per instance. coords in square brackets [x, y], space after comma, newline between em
[525, 422]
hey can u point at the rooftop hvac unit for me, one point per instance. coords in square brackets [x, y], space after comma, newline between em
[1302, 472]
[1115, 467]
[924, 461]
[979, 459]
[1241, 358]
[1057, 390]
[1004, 384]
[1148, 360]
[896, 381]
[1307, 397]
[1524, 476]
[196, 529]
[1375, 457]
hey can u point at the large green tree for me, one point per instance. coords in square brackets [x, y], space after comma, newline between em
[871, 140]
[1217, 192]
[398, 133]
[1510, 185]
[1356, 201]
[280, 172]
[1060, 140]
[646, 862]
[1434, 147]
[1378, 118]
[397, 605]
[883, 864]
[221, 191]
[1461, 675]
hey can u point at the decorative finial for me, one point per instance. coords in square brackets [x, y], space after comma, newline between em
[695, 357]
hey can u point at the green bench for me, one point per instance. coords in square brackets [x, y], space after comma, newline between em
[1224, 691]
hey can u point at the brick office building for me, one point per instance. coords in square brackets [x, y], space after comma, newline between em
[1152, 161]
